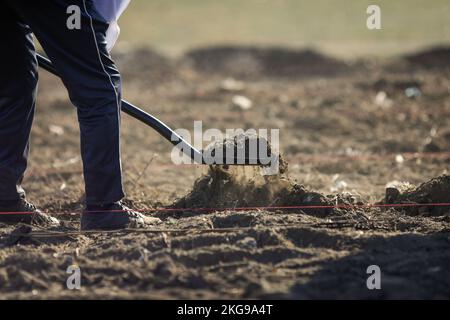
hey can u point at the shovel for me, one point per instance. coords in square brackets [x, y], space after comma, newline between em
[170, 135]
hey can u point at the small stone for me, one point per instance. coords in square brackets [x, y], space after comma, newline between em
[338, 184]
[399, 159]
[232, 85]
[413, 92]
[433, 132]
[382, 100]
[56, 130]
[242, 102]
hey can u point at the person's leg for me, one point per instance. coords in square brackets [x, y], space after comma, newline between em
[93, 83]
[18, 84]
[91, 77]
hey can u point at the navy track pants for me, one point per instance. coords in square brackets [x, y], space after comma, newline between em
[90, 76]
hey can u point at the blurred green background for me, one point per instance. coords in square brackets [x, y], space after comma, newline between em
[332, 26]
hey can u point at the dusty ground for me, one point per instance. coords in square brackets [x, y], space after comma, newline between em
[347, 130]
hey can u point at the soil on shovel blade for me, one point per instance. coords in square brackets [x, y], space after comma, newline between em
[359, 133]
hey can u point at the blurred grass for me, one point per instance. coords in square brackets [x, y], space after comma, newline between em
[337, 27]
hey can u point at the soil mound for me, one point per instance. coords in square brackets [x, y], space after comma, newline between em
[436, 190]
[255, 61]
[433, 58]
[238, 187]
[248, 187]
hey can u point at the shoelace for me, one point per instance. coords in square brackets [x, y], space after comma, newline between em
[29, 206]
[37, 216]
[128, 211]
[120, 208]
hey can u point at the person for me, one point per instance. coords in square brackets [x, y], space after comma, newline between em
[80, 55]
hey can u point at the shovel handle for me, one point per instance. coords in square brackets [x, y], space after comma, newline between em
[143, 117]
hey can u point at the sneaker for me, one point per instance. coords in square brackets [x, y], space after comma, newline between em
[114, 217]
[22, 211]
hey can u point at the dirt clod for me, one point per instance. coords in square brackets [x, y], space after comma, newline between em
[434, 191]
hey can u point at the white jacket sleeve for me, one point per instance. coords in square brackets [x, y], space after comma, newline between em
[111, 10]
